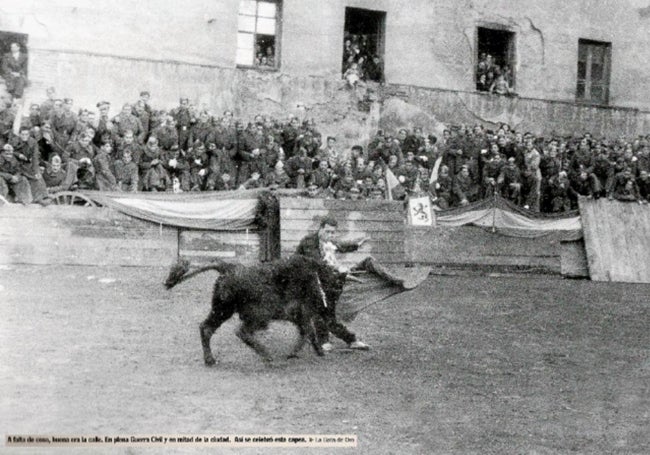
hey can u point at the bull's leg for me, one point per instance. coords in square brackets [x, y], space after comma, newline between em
[207, 328]
[315, 337]
[246, 333]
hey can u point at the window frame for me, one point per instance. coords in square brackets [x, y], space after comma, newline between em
[511, 52]
[588, 81]
[255, 34]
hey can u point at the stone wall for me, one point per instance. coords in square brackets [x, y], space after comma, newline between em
[406, 106]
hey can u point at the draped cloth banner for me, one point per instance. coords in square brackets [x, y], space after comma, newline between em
[218, 210]
[504, 217]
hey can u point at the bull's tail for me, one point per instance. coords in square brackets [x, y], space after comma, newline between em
[180, 271]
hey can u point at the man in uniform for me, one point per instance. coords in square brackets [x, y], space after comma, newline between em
[184, 121]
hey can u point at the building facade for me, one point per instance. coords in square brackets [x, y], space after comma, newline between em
[589, 59]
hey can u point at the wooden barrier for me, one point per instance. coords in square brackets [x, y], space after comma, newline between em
[617, 240]
[573, 259]
[475, 247]
[382, 221]
[244, 247]
[82, 236]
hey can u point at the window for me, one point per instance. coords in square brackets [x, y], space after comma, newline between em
[593, 71]
[363, 44]
[496, 57]
[258, 29]
[6, 38]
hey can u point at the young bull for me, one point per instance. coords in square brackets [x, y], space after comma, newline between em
[299, 289]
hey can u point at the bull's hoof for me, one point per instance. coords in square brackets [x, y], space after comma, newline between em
[210, 361]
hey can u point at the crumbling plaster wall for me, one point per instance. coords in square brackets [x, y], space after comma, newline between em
[113, 49]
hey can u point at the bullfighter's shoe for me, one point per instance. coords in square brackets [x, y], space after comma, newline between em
[327, 347]
[360, 345]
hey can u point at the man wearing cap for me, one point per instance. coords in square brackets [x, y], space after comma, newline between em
[322, 246]
[14, 70]
[184, 120]
[106, 129]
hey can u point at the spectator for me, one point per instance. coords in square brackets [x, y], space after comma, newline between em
[12, 180]
[625, 188]
[58, 177]
[643, 183]
[126, 172]
[104, 178]
[14, 70]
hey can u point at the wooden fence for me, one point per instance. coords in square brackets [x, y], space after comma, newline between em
[382, 221]
[617, 240]
[72, 235]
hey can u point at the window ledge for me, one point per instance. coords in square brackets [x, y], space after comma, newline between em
[265, 69]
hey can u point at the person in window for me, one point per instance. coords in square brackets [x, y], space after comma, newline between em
[374, 70]
[270, 57]
[353, 75]
[14, 70]
[500, 85]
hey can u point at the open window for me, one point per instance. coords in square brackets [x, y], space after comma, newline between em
[496, 57]
[594, 59]
[6, 38]
[363, 43]
[258, 33]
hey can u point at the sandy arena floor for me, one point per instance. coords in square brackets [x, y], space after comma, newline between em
[504, 365]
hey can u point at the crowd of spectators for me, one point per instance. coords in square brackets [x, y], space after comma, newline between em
[187, 149]
[493, 78]
[360, 62]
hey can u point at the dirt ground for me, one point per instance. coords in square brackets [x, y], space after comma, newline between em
[503, 365]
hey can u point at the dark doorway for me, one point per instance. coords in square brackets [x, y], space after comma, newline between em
[363, 42]
[496, 55]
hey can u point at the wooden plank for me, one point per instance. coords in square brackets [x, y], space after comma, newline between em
[383, 236]
[343, 226]
[337, 204]
[354, 258]
[573, 259]
[317, 214]
[590, 235]
[367, 248]
[204, 240]
[617, 240]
